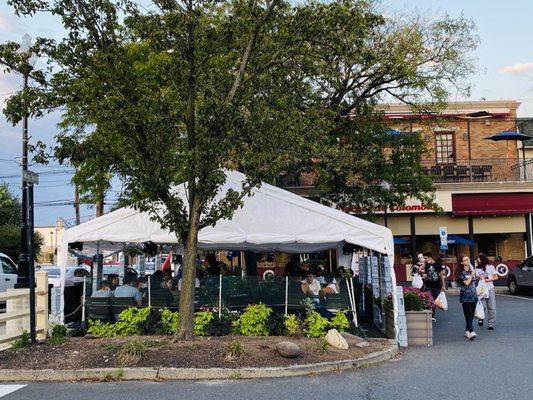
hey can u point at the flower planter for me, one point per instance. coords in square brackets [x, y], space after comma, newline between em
[419, 327]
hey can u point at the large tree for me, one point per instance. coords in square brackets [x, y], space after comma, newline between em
[179, 91]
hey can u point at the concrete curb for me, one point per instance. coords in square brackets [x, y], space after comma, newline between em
[119, 374]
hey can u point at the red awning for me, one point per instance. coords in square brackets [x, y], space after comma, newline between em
[492, 203]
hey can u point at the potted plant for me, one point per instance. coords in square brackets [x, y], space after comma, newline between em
[418, 309]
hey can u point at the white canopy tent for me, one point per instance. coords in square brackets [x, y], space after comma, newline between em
[272, 219]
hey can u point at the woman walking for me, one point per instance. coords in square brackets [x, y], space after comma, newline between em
[485, 270]
[466, 278]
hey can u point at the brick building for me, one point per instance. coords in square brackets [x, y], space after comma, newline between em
[485, 188]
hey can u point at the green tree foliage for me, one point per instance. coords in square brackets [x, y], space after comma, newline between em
[10, 219]
[179, 91]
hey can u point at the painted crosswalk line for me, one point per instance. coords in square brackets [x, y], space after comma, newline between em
[7, 389]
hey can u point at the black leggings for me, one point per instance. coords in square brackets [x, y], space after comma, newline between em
[469, 310]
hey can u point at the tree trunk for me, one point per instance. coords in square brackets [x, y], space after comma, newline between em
[77, 204]
[100, 207]
[185, 329]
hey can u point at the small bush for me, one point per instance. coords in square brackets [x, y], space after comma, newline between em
[201, 320]
[168, 322]
[131, 321]
[316, 325]
[22, 343]
[412, 302]
[233, 351]
[218, 327]
[58, 334]
[292, 325]
[276, 324]
[253, 321]
[340, 322]
[100, 328]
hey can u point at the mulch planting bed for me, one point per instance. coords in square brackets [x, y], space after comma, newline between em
[160, 351]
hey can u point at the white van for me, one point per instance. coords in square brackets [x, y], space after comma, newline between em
[8, 273]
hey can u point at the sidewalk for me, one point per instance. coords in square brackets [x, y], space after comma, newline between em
[498, 289]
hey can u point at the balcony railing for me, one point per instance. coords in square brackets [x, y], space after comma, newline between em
[481, 170]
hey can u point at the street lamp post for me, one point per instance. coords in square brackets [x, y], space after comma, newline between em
[23, 279]
[386, 187]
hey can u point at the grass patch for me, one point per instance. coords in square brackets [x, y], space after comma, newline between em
[111, 346]
[233, 351]
[236, 376]
[133, 351]
[118, 375]
[193, 346]
[323, 346]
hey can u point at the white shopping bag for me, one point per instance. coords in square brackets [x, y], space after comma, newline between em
[417, 281]
[441, 301]
[480, 311]
[482, 290]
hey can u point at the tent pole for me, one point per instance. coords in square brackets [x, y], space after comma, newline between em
[220, 296]
[350, 299]
[149, 290]
[83, 300]
[286, 294]
[354, 306]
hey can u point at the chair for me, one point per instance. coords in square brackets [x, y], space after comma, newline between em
[98, 308]
[119, 304]
[477, 173]
[462, 173]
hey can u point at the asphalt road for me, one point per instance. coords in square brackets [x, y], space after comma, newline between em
[497, 365]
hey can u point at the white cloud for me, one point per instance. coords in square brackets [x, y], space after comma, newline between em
[517, 68]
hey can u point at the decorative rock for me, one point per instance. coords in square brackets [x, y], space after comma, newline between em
[352, 340]
[288, 349]
[363, 344]
[91, 336]
[334, 338]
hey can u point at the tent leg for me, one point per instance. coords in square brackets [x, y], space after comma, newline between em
[354, 306]
[220, 296]
[149, 290]
[286, 294]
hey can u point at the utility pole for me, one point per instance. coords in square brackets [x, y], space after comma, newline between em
[77, 204]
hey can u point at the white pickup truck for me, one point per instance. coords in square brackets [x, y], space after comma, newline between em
[8, 273]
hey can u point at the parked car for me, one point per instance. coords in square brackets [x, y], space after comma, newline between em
[521, 277]
[73, 274]
[8, 273]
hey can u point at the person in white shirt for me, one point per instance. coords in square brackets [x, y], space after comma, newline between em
[485, 270]
[104, 291]
[310, 286]
[127, 290]
[332, 287]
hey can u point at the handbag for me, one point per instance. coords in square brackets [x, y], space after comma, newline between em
[481, 290]
[480, 311]
[441, 301]
[417, 281]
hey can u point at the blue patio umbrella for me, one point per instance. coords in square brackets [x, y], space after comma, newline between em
[509, 135]
[398, 240]
[512, 135]
[393, 132]
[456, 239]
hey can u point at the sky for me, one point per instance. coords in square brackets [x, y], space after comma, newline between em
[504, 61]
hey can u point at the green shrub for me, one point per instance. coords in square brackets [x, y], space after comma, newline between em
[323, 347]
[132, 352]
[233, 351]
[412, 302]
[201, 320]
[253, 321]
[100, 328]
[168, 324]
[292, 325]
[58, 334]
[340, 321]
[316, 325]
[130, 323]
[22, 343]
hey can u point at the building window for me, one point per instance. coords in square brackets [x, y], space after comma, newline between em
[445, 147]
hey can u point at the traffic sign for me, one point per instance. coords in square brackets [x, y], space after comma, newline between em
[30, 177]
[443, 233]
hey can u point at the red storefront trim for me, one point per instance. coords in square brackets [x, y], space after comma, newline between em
[492, 203]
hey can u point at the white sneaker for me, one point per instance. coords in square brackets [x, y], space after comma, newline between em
[467, 334]
[473, 335]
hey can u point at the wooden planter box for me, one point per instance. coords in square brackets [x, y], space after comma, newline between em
[419, 327]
